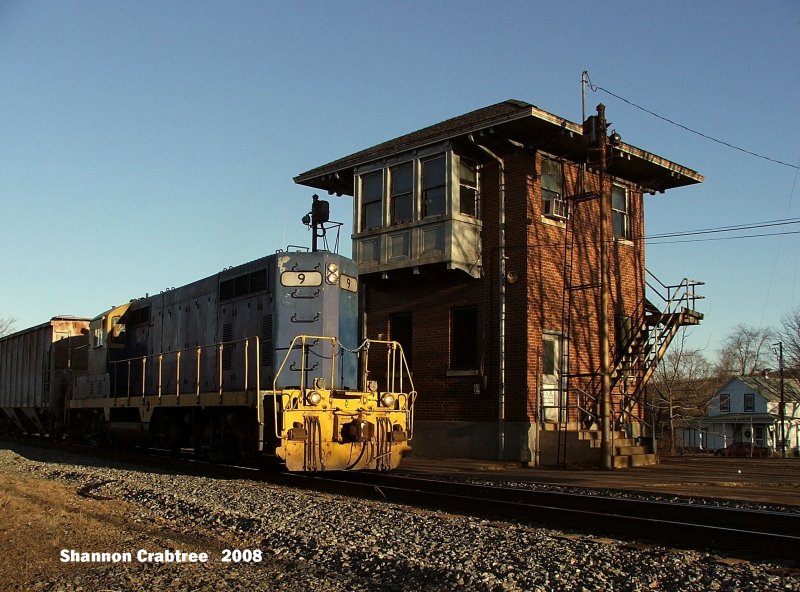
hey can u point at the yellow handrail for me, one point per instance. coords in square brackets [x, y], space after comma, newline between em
[164, 357]
[302, 339]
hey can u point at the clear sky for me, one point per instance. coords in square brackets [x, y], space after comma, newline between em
[147, 144]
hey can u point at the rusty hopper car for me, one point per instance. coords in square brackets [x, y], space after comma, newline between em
[37, 366]
[249, 364]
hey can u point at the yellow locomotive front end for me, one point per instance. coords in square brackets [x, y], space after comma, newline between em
[318, 427]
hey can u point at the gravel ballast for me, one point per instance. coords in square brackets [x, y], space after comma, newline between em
[281, 538]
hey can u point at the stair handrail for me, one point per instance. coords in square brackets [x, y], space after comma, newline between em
[676, 294]
[676, 299]
[588, 407]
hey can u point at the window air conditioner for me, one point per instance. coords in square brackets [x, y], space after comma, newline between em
[556, 208]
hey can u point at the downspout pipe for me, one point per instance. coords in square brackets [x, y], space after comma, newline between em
[501, 255]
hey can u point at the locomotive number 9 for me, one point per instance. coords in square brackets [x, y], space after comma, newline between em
[301, 278]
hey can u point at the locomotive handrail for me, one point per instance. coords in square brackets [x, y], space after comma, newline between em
[177, 354]
[275, 394]
[391, 375]
[391, 368]
[392, 381]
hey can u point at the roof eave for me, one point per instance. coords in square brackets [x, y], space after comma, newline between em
[526, 123]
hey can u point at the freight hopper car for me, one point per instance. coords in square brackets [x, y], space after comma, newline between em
[37, 368]
[257, 362]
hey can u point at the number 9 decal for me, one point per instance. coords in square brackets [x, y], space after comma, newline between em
[348, 283]
[301, 278]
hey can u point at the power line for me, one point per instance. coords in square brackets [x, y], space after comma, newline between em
[733, 228]
[658, 238]
[719, 238]
[595, 88]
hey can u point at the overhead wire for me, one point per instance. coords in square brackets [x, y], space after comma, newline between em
[732, 228]
[658, 239]
[595, 88]
[719, 238]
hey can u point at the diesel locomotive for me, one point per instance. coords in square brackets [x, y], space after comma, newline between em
[258, 363]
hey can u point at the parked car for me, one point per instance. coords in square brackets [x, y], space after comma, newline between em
[744, 449]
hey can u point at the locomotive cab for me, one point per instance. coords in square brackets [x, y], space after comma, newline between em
[106, 333]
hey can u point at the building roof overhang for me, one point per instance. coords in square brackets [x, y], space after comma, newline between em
[740, 418]
[517, 123]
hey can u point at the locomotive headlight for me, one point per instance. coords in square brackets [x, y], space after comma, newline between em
[332, 275]
[313, 398]
[387, 400]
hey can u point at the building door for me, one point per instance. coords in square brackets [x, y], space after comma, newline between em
[552, 381]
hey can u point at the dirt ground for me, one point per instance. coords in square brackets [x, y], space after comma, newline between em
[40, 518]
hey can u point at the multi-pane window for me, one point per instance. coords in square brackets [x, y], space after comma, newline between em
[468, 187]
[401, 193]
[724, 403]
[553, 203]
[434, 200]
[464, 338]
[749, 403]
[418, 189]
[619, 211]
[371, 200]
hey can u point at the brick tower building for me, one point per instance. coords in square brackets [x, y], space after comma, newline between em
[478, 244]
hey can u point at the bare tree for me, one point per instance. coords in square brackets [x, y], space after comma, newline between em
[789, 334]
[745, 351]
[6, 325]
[683, 383]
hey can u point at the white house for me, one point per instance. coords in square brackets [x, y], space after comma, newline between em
[746, 410]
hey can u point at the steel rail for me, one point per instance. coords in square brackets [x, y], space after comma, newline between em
[743, 532]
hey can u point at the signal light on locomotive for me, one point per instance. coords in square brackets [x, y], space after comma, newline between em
[333, 273]
[387, 400]
[313, 398]
[320, 210]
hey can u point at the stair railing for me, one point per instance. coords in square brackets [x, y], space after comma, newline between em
[650, 336]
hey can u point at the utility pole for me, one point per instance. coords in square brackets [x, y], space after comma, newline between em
[605, 375]
[782, 404]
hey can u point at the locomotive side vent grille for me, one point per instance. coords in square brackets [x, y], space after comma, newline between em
[227, 352]
[266, 341]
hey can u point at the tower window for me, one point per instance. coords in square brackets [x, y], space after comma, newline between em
[468, 188]
[402, 192]
[619, 211]
[371, 200]
[433, 187]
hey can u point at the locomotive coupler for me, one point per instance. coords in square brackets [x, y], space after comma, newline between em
[297, 432]
[358, 430]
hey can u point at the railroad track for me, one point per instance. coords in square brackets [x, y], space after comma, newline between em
[738, 532]
[741, 532]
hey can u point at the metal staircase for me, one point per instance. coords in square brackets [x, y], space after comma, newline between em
[646, 344]
[639, 351]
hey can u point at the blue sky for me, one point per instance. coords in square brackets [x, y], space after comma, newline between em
[147, 144]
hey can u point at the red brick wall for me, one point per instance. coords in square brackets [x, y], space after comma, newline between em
[535, 251]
